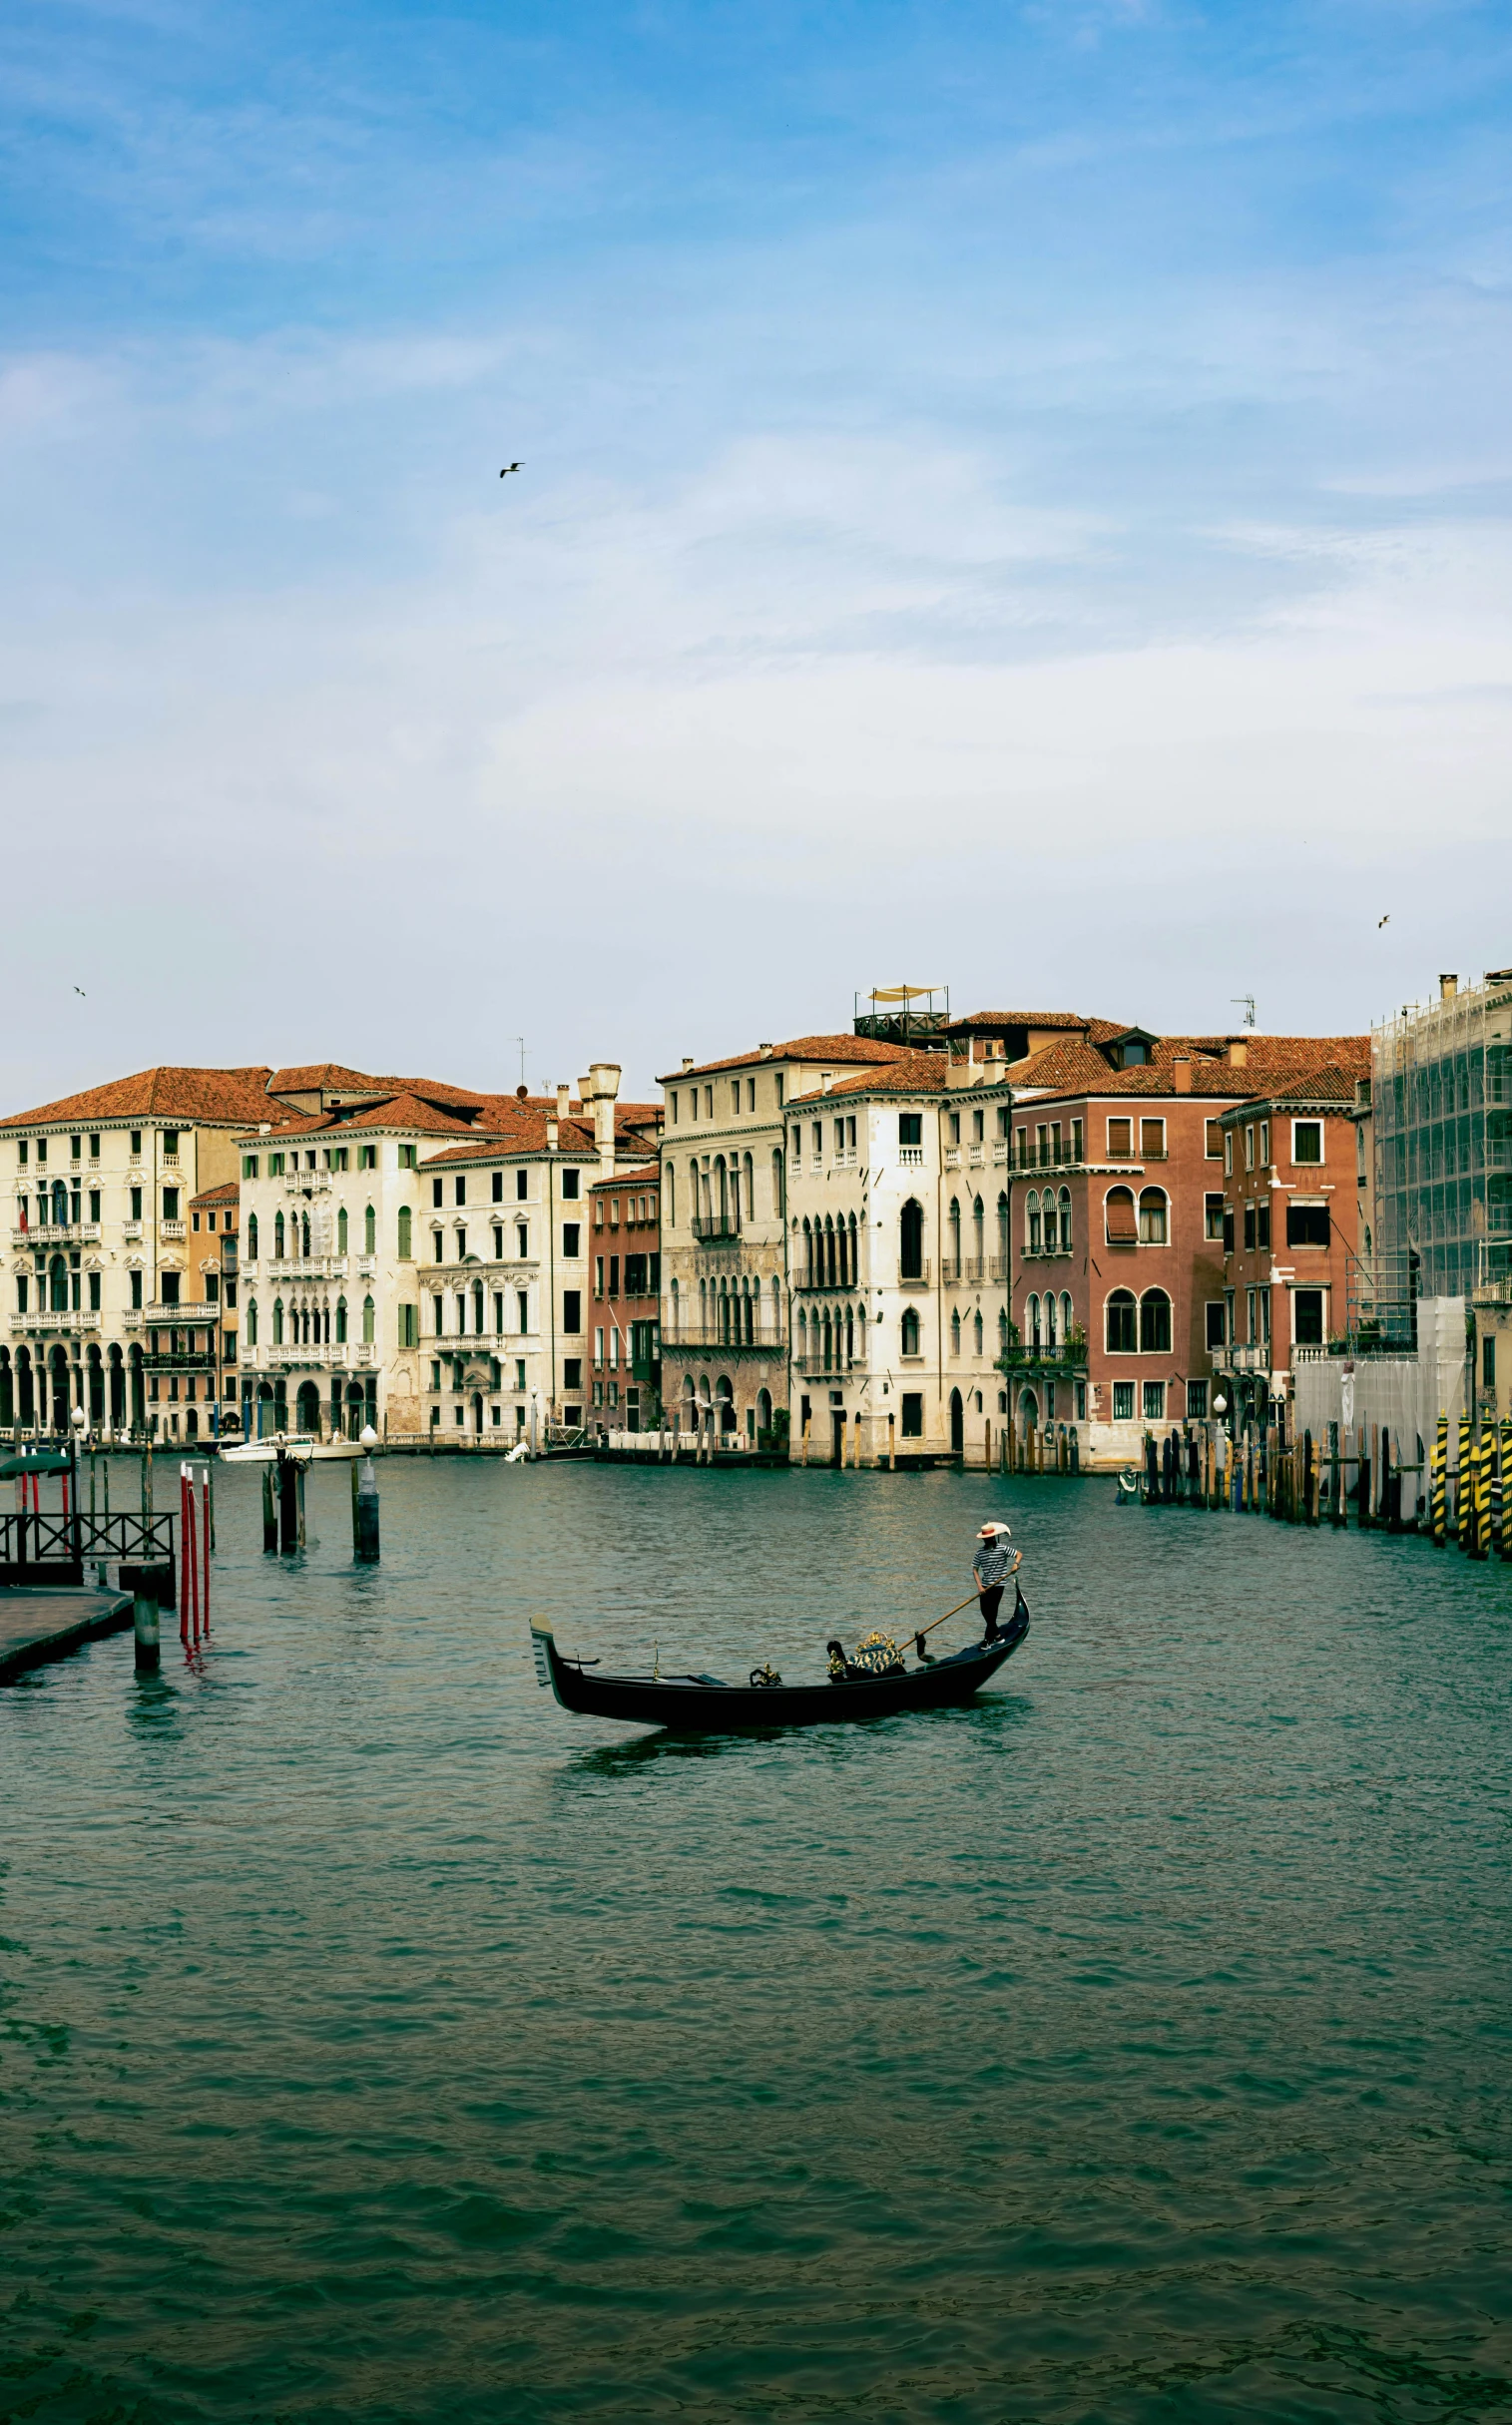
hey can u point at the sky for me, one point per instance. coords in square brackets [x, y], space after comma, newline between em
[1013, 497]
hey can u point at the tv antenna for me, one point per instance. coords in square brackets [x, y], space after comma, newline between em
[520, 1041]
[1247, 1001]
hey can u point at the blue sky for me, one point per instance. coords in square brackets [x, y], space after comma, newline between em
[1013, 496]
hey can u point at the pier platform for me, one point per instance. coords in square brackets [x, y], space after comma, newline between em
[49, 1623]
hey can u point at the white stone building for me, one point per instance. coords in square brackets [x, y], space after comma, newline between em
[898, 1260]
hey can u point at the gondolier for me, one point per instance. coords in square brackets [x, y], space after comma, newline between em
[995, 1561]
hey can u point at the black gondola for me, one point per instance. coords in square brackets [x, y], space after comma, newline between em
[701, 1705]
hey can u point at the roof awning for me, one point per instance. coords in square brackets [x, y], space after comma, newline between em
[902, 993]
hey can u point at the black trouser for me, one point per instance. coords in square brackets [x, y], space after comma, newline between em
[989, 1599]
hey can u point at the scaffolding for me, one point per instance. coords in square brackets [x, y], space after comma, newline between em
[1441, 1118]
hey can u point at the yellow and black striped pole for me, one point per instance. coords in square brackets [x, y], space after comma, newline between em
[1464, 1488]
[1505, 1542]
[1484, 1441]
[1438, 1470]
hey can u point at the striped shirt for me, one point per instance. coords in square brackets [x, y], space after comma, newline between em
[992, 1562]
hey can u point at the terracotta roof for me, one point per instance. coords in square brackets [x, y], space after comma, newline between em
[800, 1048]
[990, 1017]
[647, 1176]
[326, 1077]
[193, 1097]
[573, 1137]
[1070, 1070]
[1330, 1084]
[227, 1195]
[914, 1074]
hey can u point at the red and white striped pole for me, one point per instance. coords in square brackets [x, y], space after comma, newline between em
[185, 1551]
[205, 1522]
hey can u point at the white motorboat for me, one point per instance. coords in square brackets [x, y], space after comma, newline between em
[299, 1448]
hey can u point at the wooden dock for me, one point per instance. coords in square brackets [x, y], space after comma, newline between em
[37, 1626]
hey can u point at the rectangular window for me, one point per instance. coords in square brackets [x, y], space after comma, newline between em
[676, 1116]
[76, 1147]
[438, 1248]
[912, 1424]
[709, 1103]
[572, 1372]
[597, 1346]
[498, 1242]
[169, 1203]
[522, 1306]
[136, 1289]
[1227, 1229]
[1151, 1140]
[94, 1293]
[1215, 1314]
[1307, 1141]
[1155, 1401]
[735, 1095]
[1076, 1141]
[520, 1365]
[1249, 1146]
[1489, 1360]
[229, 1347]
[498, 1186]
[978, 1127]
[1263, 1226]
[193, 1223]
[1227, 1152]
[781, 1086]
[22, 1149]
[170, 1143]
[1213, 1143]
[1120, 1139]
[94, 1206]
[169, 1283]
[614, 1276]
[572, 1230]
[1306, 1225]
[41, 1147]
[437, 1193]
[1002, 1122]
[367, 1158]
[135, 1204]
[460, 1186]
[910, 1129]
[1123, 1401]
[597, 1276]
[409, 1157]
[248, 1165]
[1248, 1229]
[751, 1094]
[230, 1295]
[1213, 1217]
[598, 1393]
[23, 1291]
[1264, 1315]
[1307, 1316]
[571, 1311]
[570, 1179]
[520, 1179]
[212, 1288]
[275, 1165]
[1265, 1144]
[1197, 1401]
[955, 1126]
[1251, 1333]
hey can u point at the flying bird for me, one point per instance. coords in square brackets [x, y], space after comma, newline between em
[1385, 921]
[78, 990]
[508, 468]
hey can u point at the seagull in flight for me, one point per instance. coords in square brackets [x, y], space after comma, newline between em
[508, 468]
[78, 990]
[1385, 921]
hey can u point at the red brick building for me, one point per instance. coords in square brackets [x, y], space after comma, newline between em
[1119, 1287]
[625, 1315]
[1290, 1232]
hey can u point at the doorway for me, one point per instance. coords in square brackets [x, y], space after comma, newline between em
[837, 1425]
[957, 1424]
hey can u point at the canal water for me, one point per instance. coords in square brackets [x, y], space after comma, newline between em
[378, 2043]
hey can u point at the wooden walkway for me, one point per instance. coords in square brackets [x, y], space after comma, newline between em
[36, 1626]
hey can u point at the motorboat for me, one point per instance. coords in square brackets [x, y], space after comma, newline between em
[299, 1448]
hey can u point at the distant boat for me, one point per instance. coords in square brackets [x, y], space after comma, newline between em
[701, 1705]
[300, 1447]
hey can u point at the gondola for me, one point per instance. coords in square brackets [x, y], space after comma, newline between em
[703, 1705]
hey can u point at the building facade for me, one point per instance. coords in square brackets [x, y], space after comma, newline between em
[103, 1282]
[625, 1238]
[1292, 1269]
[724, 1325]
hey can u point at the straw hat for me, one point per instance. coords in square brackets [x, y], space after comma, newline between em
[988, 1530]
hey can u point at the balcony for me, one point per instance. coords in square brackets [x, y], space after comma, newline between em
[79, 1318]
[171, 1229]
[693, 1339]
[911, 1158]
[367, 1266]
[821, 1367]
[972, 1269]
[178, 1318]
[952, 1157]
[306, 1182]
[1255, 1358]
[130, 1231]
[58, 1234]
[843, 1161]
[918, 1277]
[179, 1360]
[306, 1267]
[715, 1228]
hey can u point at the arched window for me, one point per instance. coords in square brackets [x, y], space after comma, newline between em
[779, 1198]
[340, 1321]
[829, 1274]
[1122, 1318]
[1068, 1318]
[369, 1231]
[304, 1233]
[1032, 1231]
[278, 1238]
[807, 1253]
[677, 1308]
[978, 1331]
[57, 1276]
[252, 1238]
[252, 1321]
[910, 1331]
[979, 1228]
[749, 1189]
[955, 1332]
[911, 1240]
[405, 1234]
[277, 1322]
[955, 1231]
[1155, 1322]
[1052, 1232]
[60, 1203]
[1032, 1321]
[1002, 1237]
[1152, 1217]
[1065, 1221]
[368, 1320]
[341, 1230]
[1118, 1216]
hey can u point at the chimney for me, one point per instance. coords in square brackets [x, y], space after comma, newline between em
[551, 1134]
[564, 1101]
[767, 1051]
[1239, 1052]
[687, 1063]
[604, 1080]
[1182, 1072]
[1448, 987]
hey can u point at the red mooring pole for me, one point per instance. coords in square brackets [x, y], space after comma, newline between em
[185, 1552]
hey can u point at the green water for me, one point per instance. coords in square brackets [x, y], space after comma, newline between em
[379, 2043]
